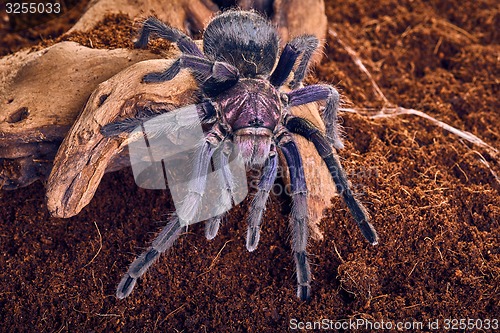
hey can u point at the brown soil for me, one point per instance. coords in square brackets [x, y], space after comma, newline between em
[435, 204]
[20, 30]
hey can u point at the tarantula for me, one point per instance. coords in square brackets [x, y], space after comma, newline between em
[241, 80]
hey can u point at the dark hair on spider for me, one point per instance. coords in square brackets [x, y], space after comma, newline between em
[254, 52]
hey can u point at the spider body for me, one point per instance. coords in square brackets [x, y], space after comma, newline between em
[243, 103]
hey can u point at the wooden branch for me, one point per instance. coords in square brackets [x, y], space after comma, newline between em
[44, 92]
[41, 94]
[85, 154]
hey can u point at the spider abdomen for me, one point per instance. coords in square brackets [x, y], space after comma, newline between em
[245, 40]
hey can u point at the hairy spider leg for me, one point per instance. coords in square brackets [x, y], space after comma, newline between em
[284, 66]
[306, 129]
[159, 29]
[212, 227]
[303, 45]
[298, 220]
[266, 182]
[156, 27]
[307, 44]
[320, 92]
[164, 76]
[221, 162]
[217, 72]
[163, 242]
[196, 187]
[216, 75]
[171, 232]
[205, 110]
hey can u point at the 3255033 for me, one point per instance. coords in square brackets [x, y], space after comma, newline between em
[33, 8]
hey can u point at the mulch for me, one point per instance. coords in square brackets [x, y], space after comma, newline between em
[433, 197]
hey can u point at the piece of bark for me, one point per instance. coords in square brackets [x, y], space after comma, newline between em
[41, 94]
[296, 17]
[39, 106]
[85, 154]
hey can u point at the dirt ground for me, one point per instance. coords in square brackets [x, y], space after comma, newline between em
[434, 199]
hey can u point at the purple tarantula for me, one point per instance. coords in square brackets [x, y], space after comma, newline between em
[242, 103]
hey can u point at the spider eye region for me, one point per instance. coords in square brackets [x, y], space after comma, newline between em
[256, 122]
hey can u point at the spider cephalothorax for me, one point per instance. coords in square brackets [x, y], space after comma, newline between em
[242, 102]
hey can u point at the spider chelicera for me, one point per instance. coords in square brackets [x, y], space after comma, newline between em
[241, 81]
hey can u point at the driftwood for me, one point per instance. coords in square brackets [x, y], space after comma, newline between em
[85, 154]
[53, 102]
[41, 95]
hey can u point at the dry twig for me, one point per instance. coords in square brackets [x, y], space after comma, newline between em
[390, 110]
